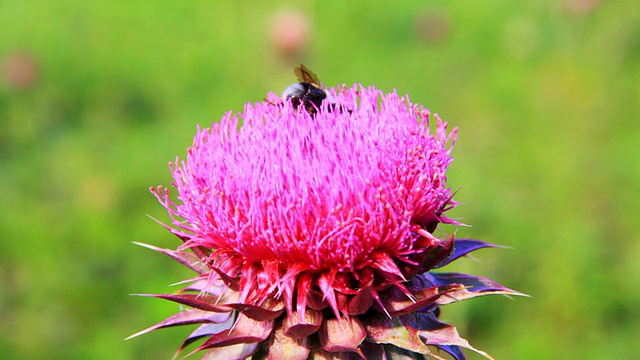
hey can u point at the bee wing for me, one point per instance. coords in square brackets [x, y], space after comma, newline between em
[305, 75]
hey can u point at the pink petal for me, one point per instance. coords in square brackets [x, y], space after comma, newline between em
[232, 352]
[434, 332]
[286, 347]
[345, 335]
[296, 328]
[187, 317]
[384, 330]
[244, 331]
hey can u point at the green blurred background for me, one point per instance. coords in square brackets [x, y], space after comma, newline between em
[97, 97]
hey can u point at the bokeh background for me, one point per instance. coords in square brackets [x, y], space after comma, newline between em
[97, 97]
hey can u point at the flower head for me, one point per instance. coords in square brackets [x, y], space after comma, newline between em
[312, 235]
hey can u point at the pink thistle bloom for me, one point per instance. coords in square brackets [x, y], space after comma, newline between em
[312, 236]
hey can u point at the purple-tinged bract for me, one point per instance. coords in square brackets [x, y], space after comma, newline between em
[312, 236]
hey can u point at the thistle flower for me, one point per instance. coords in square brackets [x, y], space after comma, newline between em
[313, 236]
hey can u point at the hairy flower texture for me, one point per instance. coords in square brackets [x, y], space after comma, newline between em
[312, 235]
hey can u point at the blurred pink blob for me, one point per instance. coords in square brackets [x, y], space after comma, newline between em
[432, 25]
[581, 7]
[19, 70]
[289, 31]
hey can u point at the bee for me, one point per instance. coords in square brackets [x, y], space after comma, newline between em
[308, 91]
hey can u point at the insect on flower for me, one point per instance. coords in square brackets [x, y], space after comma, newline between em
[307, 92]
[311, 235]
